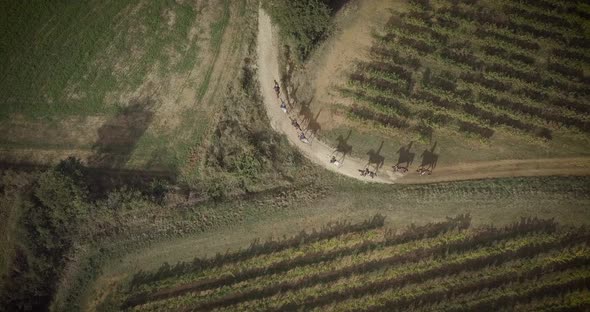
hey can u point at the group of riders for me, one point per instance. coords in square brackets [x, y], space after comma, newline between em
[397, 168]
[294, 122]
[364, 172]
[421, 170]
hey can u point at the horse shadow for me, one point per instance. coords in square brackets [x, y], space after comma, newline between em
[405, 155]
[375, 158]
[313, 126]
[429, 158]
[343, 148]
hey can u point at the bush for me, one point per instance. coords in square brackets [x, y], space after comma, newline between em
[304, 23]
[53, 211]
[59, 209]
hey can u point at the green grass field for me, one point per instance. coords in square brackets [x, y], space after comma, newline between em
[117, 83]
[64, 59]
[365, 267]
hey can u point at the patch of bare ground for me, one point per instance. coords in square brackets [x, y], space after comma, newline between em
[43, 156]
[82, 129]
[328, 69]
[40, 142]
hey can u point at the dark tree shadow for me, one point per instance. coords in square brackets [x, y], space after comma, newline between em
[343, 148]
[117, 137]
[290, 91]
[405, 155]
[313, 126]
[375, 158]
[336, 5]
[429, 158]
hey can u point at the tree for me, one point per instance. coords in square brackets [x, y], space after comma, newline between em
[303, 22]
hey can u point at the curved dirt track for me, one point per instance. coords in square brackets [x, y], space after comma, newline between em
[320, 153]
[316, 151]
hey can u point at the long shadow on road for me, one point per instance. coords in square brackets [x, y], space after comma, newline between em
[343, 148]
[429, 158]
[375, 158]
[406, 156]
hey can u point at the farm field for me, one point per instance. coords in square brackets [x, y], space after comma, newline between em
[146, 165]
[119, 84]
[367, 267]
[468, 80]
[235, 224]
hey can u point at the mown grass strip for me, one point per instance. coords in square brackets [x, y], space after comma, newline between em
[217, 31]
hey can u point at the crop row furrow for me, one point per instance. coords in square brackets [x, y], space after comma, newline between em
[450, 286]
[481, 238]
[299, 274]
[431, 230]
[255, 249]
[376, 277]
[469, 261]
[228, 271]
[576, 300]
[496, 299]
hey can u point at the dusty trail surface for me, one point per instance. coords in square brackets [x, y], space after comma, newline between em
[579, 166]
[320, 153]
[317, 151]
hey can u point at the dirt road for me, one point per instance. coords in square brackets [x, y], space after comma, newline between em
[320, 153]
[317, 151]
